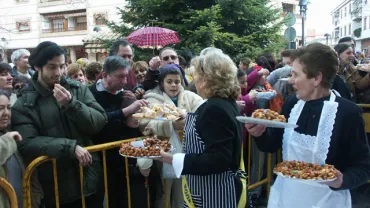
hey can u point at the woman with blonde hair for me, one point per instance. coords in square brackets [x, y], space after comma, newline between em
[213, 139]
[76, 72]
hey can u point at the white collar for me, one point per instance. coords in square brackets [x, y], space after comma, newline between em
[100, 87]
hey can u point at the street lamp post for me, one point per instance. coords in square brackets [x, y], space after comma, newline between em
[303, 10]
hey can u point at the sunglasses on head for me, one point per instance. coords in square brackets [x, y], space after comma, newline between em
[166, 58]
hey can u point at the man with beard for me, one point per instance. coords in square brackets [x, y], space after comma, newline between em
[57, 118]
[21, 66]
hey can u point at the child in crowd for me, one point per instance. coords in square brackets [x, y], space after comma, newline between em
[266, 96]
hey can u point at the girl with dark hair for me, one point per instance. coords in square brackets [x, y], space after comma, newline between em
[170, 90]
[267, 61]
[347, 71]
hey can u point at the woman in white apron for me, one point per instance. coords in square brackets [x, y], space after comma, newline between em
[330, 130]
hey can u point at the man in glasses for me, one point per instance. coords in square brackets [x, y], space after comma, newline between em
[166, 56]
[350, 41]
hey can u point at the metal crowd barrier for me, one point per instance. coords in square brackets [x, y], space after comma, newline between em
[96, 148]
[102, 148]
[10, 192]
[267, 181]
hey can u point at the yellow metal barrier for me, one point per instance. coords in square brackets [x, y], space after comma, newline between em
[267, 181]
[102, 148]
[10, 191]
[96, 148]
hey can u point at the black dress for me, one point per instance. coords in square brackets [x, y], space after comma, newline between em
[213, 141]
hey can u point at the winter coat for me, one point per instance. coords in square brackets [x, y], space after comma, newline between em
[186, 100]
[50, 129]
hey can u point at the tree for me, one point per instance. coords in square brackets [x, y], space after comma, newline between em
[236, 26]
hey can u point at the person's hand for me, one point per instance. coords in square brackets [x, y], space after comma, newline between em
[128, 95]
[148, 130]
[265, 72]
[132, 122]
[134, 107]
[337, 183]
[253, 95]
[83, 156]
[145, 172]
[62, 95]
[166, 158]
[14, 135]
[154, 63]
[179, 124]
[255, 130]
[139, 93]
[241, 104]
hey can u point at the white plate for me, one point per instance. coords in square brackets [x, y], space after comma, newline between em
[305, 180]
[148, 157]
[268, 123]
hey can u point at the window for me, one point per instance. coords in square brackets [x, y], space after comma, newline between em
[81, 23]
[365, 22]
[345, 30]
[345, 11]
[58, 25]
[341, 14]
[349, 9]
[23, 25]
[349, 29]
[100, 19]
[287, 8]
[341, 34]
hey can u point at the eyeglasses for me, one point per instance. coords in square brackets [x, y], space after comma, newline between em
[166, 58]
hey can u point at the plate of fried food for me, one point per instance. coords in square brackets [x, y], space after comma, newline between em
[160, 112]
[145, 148]
[304, 171]
[268, 118]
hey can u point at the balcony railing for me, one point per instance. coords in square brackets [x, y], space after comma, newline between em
[62, 29]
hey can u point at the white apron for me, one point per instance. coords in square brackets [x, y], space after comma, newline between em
[288, 193]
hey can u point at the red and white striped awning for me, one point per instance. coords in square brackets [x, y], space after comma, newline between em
[65, 15]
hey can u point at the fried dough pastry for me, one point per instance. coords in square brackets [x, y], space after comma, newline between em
[268, 114]
[306, 171]
[152, 147]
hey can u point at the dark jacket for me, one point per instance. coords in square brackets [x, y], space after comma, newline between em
[349, 148]
[15, 72]
[50, 129]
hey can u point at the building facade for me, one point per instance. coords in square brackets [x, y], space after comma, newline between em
[352, 18]
[26, 23]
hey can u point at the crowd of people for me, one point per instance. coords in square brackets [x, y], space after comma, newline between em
[54, 108]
